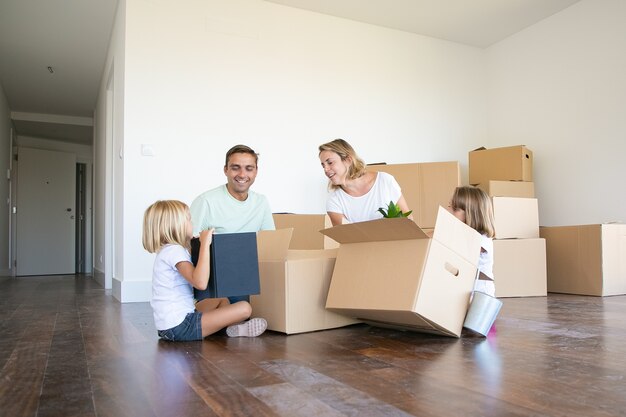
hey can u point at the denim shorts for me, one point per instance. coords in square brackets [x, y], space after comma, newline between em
[189, 329]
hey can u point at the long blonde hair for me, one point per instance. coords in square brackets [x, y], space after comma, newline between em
[345, 151]
[478, 209]
[165, 222]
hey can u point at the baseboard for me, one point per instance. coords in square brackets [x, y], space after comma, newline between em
[98, 276]
[132, 291]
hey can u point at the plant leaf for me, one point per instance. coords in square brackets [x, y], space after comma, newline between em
[393, 210]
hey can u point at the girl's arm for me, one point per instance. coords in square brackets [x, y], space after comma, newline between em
[198, 277]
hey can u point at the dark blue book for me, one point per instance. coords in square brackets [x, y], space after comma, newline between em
[234, 266]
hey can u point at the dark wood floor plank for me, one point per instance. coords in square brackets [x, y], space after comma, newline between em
[21, 378]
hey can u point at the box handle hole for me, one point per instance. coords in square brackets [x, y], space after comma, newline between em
[452, 269]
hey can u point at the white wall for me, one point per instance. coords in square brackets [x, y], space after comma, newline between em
[200, 77]
[560, 88]
[84, 153]
[108, 166]
[5, 146]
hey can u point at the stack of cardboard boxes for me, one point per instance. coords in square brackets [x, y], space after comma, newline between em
[519, 252]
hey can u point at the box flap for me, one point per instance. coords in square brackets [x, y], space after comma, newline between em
[273, 244]
[456, 235]
[376, 231]
[306, 227]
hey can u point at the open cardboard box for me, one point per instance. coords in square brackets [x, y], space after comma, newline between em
[294, 285]
[389, 272]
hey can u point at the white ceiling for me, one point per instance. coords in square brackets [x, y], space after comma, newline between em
[71, 36]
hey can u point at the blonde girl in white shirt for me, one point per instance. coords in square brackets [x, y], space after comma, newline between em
[167, 231]
[473, 207]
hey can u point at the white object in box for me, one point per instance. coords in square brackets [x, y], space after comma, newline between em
[388, 271]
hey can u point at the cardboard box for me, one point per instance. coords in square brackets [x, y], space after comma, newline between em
[587, 260]
[388, 271]
[294, 285]
[425, 186]
[496, 188]
[516, 218]
[234, 265]
[306, 233]
[512, 163]
[519, 267]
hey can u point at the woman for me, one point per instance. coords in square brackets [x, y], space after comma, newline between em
[356, 194]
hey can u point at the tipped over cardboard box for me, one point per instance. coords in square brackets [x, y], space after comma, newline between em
[294, 285]
[389, 272]
[587, 259]
[425, 186]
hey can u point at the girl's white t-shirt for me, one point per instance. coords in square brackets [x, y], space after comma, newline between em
[485, 266]
[172, 294]
[365, 207]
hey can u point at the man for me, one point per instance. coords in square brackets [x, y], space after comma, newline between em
[232, 207]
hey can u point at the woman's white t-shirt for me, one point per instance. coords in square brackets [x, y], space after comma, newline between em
[172, 294]
[365, 207]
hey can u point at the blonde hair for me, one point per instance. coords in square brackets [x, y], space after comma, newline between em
[165, 222]
[478, 209]
[345, 151]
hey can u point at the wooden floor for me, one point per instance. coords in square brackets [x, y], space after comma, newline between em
[67, 348]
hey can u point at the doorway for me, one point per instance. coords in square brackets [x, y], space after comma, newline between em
[81, 217]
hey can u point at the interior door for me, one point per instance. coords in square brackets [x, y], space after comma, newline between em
[45, 229]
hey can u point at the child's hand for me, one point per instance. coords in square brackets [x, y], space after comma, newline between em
[206, 237]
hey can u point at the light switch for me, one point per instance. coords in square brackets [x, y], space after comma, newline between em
[147, 150]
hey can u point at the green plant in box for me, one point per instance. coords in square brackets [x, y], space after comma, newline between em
[393, 211]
